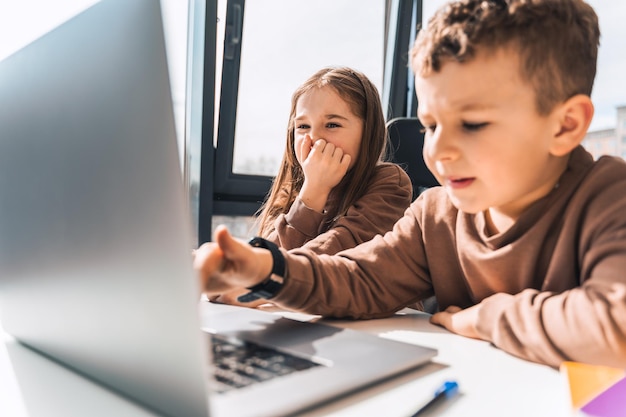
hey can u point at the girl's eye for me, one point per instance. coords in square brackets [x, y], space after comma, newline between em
[332, 125]
[302, 126]
[473, 127]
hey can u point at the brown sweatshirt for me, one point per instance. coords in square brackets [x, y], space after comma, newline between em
[383, 203]
[551, 288]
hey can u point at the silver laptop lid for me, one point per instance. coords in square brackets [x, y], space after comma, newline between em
[92, 208]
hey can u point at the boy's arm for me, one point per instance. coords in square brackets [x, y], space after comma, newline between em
[382, 281]
[374, 279]
[584, 324]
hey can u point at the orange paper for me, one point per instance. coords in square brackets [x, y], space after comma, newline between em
[587, 381]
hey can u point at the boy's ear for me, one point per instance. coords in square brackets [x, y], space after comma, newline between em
[573, 118]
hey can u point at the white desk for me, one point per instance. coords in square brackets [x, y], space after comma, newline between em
[492, 383]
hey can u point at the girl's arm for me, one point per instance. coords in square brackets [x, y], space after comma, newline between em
[387, 197]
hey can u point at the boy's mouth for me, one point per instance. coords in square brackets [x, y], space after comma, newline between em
[457, 183]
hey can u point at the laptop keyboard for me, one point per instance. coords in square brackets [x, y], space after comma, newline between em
[238, 364]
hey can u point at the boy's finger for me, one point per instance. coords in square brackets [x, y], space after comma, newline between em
[232, 248]
[440, 318]
[224, 239]
[209, 259]
[453, 309]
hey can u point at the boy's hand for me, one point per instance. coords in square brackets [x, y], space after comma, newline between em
[228, 263]
[459, 321]
[231, 297]
[324, 166]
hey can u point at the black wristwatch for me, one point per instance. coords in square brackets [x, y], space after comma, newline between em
[270, 286]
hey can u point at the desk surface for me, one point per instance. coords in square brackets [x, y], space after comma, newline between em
[492, 383]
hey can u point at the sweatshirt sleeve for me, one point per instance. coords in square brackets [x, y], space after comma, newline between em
[372, 280]
[586, 323]
[383, 203]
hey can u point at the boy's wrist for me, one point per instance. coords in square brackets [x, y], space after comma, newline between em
[264, 262]
[272, 267]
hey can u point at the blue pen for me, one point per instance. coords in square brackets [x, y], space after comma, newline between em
[447, 390]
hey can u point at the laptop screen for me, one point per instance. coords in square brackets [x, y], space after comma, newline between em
[95, 243]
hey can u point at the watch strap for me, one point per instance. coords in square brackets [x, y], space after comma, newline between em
[269, 287]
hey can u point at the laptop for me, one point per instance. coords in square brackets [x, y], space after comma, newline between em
[95, 239]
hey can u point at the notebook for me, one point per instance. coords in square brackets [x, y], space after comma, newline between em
[95, 244]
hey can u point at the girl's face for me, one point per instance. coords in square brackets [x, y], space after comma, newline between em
[321, 113]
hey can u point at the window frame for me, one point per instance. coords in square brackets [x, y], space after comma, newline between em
[233, 194]
[223, 192]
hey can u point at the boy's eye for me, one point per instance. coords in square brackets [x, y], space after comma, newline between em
[473, 127]
[428, 129]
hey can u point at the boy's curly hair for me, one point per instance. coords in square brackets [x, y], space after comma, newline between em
[557, 41]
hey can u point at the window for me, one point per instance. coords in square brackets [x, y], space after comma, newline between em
[609, 91]
[268, 52]
[268, 49]
[280, 50]
[22, 22]
[19, 25]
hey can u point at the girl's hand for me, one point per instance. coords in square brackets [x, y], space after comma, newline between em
[228, 263]
[324, 166]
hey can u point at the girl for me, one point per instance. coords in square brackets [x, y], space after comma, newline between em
[333, 191]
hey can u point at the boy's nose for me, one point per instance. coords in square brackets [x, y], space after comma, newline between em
[440, 146]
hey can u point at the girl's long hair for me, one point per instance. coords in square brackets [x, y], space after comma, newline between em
[364, 100]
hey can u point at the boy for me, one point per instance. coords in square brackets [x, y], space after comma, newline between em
[524, 244]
